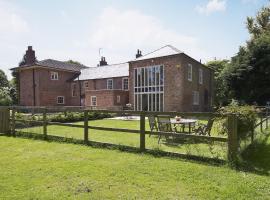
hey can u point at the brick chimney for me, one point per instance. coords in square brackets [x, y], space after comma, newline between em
[103, 61]
[139, 53]
[30, 56]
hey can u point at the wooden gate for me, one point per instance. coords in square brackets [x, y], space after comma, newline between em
[4, 120]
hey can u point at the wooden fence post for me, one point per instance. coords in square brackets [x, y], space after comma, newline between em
[13, 122]
[232, 138]
[86, 127]
[45, 123]
[266, 121]
[142, 131]
[261, 123]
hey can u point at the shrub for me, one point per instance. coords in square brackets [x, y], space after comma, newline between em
[74, 117]
[246, 118]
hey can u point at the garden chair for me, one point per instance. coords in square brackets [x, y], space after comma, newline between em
[204, 129]
[164, 125]
[152, 123]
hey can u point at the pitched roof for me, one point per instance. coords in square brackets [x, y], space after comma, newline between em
[163, 51]
[55, 64]
[60, 65]
[107, 71]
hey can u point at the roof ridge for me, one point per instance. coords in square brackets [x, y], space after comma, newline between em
[108, 65]
[172, 48]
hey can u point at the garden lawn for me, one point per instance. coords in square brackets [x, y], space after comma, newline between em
[32, 169]
[212, 150]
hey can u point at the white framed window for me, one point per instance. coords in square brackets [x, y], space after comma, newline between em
[125, 84]
[190, 72]
[86, 85]
[93, 101]
[60, 100]
[196, 98]
[149, 88]
[73, 90]
[118, 98]
[109, 84]
[200, 76]
[54, 76]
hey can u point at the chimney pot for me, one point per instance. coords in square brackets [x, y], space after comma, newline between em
[139, 53]
[103, 61]
[30, 56]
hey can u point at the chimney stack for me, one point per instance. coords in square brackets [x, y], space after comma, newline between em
[30, 56]
[139, 53]
[103, 61]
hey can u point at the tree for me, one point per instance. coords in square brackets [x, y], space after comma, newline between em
[5, 99]
[260, 24]
[3, 79]
[73, 62]
[221, 83]
[250, 71]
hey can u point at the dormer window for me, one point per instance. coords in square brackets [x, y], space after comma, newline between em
[54, 75]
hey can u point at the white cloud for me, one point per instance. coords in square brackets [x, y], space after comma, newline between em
[120, 32]
[212, 6]
[10, 20]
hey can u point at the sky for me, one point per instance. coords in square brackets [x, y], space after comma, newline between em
[82, 30]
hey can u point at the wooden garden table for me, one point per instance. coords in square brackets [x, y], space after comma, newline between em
[184, 122]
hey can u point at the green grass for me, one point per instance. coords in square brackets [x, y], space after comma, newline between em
[32, 169]
[212, 150]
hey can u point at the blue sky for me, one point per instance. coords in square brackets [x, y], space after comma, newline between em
[68, 29]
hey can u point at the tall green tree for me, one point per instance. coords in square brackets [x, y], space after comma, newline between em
[221, 83]
[249, 78]
[3, 79]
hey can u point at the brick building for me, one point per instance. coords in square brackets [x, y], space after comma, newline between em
[105, 86]
[164, 80]
[169, 80]
[46, 82]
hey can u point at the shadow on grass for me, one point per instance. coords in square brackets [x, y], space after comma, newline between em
[153, 152]
[256, 156]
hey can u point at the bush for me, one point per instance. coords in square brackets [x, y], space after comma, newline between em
[5, 99]
[75, 117]
[246, 116]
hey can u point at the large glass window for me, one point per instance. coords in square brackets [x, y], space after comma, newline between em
[149, 88]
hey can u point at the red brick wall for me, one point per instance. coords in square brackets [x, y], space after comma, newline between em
[26, 88]
[107, 98]
[46, 89]
[177, 89]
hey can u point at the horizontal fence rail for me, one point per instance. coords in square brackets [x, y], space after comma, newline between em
[44, 121]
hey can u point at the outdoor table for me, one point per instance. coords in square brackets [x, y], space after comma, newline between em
[184, 122]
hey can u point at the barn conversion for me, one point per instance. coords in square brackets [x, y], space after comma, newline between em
[163, 80]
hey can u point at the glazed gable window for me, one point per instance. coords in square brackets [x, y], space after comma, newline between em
[54, 75]
[109, 84]
[189, 72]
[60, 100]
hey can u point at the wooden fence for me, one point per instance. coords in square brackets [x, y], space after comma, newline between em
[232, 140]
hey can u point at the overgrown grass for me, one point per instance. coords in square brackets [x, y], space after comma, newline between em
[211, 150]
[32, 169]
